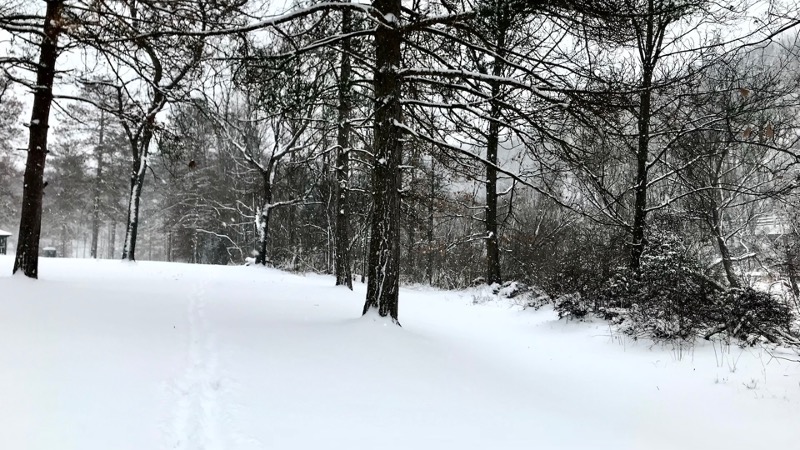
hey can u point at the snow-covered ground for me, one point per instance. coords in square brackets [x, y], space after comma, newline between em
[105, 355]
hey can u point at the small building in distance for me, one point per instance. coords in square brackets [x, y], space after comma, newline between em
[50, 252]
[4, 235]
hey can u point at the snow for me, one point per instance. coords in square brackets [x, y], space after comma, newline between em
[105, 355]
[4, 233]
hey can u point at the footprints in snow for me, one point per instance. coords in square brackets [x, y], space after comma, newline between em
[197, 418]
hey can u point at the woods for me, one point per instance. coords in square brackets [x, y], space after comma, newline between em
[566, 145]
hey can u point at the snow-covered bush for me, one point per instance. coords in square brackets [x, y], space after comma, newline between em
[668, 298]
[514, 292]
[572, 306]
[671, 299]
[748, 315]
[577, 258]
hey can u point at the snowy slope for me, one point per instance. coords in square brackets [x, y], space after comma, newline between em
[104, 355]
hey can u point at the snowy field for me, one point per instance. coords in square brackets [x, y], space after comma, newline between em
[105, 355]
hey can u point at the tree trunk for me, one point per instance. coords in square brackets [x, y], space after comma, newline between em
[263, 233]
[384, 247]
[640, 202]
[638, 230]
[262, 222]
[490, 219]
[169, 245]
[138, 172]
[131, 232]
[411, 251]
[791, 268]
[492, 144]
[716, 227]
[365, 256]
[98, 180]
[30, 226]
[431, 222]
[342, 235]
[724, 251]
[112, 238]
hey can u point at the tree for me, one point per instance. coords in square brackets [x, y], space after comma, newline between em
[670, 44]
[134, 36]
[745, 157]
[342, 234]
[271, 128]
[384, 249]
[198, 190]
[68, 201]
[27, 257]
[100, 151]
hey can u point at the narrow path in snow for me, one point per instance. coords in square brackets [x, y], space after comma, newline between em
[197, 419]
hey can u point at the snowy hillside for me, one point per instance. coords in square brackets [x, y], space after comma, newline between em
[104, 355]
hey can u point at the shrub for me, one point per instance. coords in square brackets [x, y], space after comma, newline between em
[571, 306]
[667, 299]
[747, 315]
[671, 299]
[513, 292]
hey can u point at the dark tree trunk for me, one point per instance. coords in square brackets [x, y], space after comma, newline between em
[365, 258]
[98, 181]
[263, 233]
[490, 219]
[139, 169]
[169, 245]
[791, 268]
[112, 238]
[384, 247]
[263, 222]
[30, 226]
[138, 172]
[648, 59]
[431, 222]
[411, 250]
[342, 235]
[640, 192]
[492, 143]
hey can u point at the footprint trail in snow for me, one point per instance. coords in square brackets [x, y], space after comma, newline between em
[198, 421]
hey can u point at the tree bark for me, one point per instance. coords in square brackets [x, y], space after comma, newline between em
[490, 219]
[169, 245]
[263, 222]
[98, 183]
[724, 251]
[342, 235]
[640, 202]
[493, 274]
[791, 268]
[431, 222]
[648, 57]
[716, 225]
[112, 238]
[30, 227]
[138, 172]
[384, 255]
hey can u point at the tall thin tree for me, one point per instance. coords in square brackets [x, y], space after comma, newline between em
[27, 257]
